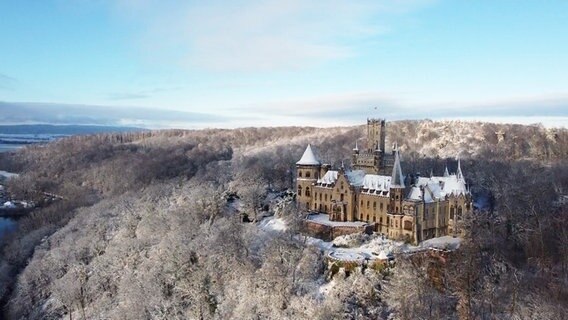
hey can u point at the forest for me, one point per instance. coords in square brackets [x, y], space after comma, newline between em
[143, 230]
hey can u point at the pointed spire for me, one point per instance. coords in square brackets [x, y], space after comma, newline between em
[446, 173]
[308, 158]
[459, 172]
[397, 179]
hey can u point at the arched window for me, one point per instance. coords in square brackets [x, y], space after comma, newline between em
[375, 205]
[452, 211]
[307, 191]
[320, 196]
[299, 173]
[307, 174]
[367, 204]
[299, 190]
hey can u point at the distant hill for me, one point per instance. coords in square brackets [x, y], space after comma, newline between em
[63, 129]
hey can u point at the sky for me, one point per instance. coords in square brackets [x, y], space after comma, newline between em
[196, 64]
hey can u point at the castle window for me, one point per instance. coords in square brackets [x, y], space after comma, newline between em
[300, 174]
[326, 197]
[307, 174]
[375, 206]
[381, 206]
[307, 191]
[452, 211]
[299, 190]
[361, 203]
[341, 197]
[320, 196]
[397, 197]
[367, 204]
[381, 220]
[408, 225]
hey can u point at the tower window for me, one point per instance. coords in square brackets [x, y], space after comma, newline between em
[299, 190]
[307, 174]
[300, 174]
[308, 192]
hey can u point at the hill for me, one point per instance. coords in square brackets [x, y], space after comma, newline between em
[146, 228]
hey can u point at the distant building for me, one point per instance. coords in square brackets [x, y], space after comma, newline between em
[413, 211]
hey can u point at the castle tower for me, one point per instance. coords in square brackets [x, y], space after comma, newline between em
[308, 169]
[375, 135]
[372, 158]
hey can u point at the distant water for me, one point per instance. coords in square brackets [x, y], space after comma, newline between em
[8, 147]
[6, 225]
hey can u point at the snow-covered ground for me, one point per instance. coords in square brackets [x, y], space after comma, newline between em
[324, 219]
[273, 224]
[355, 247]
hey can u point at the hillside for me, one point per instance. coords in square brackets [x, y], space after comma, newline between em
[144, 229]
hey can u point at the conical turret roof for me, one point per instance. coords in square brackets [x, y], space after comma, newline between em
[397, 179]
[308, 158]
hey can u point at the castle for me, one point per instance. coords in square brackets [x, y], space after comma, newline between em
[376, 192]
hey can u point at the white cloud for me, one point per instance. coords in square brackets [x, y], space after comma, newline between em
[261, 35]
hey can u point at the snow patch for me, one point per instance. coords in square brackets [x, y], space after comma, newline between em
[8, 175]
[273, 224]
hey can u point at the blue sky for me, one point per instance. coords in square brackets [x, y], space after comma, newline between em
[277, 62]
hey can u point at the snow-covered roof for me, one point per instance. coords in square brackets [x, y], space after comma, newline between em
[438, 187]
[356, 177]
[376, 182]
[308, 158]
[329, 177]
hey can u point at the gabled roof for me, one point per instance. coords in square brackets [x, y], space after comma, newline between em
[308, 158]
[329, 177]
